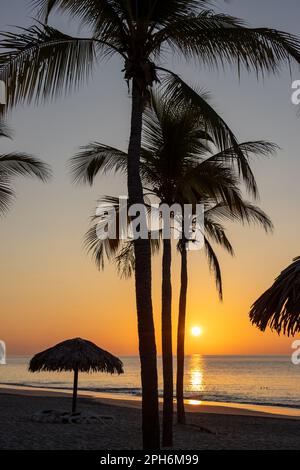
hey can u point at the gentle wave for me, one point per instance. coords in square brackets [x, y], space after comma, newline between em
[253, 380]
[219, 398]
[52, 386]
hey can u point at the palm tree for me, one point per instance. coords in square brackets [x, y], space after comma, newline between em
[17, 164]
[279, 306]
[176, 170]
[214, 215]
[175, 165]
[41, 62]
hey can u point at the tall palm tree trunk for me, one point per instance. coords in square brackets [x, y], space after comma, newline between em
[167, 353]
[146, 333]
[181, 336]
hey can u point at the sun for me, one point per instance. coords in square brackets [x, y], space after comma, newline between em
[196, 331]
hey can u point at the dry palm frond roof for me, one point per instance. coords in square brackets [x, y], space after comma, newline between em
[76, 353]
[279, 306]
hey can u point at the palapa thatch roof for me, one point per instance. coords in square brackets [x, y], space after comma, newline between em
[279, 306]
[75, 354]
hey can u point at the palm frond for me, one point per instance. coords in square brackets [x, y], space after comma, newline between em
[19, 164]
[240, 154]
[105, 248]
[242, 211]
[279, 306]
[125, 260]
[6, 195]
[101, 249]
[214, 266]
[5, 130]
[186, 123]
[42, 63]
[102, 14]
[209, 180]
[216, 39]
[95, 158]
[44, 8]
[119, 249]
[179, 92]
[216, 232]
[162, 13]
[258, 148]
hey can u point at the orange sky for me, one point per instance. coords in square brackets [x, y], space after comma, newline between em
[49, 294]
[50, 289]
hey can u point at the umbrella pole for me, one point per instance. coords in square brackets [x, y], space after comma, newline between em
[75, 385]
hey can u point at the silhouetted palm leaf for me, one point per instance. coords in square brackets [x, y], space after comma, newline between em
[4, 130]
[41, 61]
[181, 94]
[17, 164]
[95, 158]
[176, 167]
[216, 232]
[118, 249]
[279, 306]
[6, 196]
[214, 266]
[243, 212]
[216, 39]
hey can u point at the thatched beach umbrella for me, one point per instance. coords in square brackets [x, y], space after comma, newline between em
[279, 306]
[76, 355]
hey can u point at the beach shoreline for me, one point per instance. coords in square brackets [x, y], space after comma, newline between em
[131, 401]
[209, 427]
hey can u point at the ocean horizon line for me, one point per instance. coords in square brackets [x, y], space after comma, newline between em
[11, 356]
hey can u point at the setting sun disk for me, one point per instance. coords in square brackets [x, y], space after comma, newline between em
[196, 331]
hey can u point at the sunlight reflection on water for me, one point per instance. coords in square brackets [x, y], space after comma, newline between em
[264, 380]
[194, 402]
[196, 370]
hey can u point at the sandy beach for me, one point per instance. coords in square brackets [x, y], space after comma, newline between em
[214, 427]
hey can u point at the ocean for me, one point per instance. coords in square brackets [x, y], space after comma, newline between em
[260, 380]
